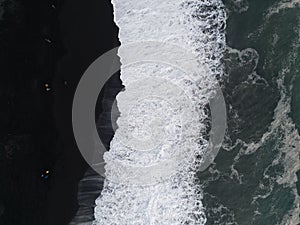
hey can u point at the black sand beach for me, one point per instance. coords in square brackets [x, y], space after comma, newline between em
[46, 47]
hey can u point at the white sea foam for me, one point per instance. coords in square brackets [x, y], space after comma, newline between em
[281, 6]
[274, 10]
[240, 5]
[153, 157]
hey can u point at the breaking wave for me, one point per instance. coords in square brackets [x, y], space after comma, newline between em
[160, 141]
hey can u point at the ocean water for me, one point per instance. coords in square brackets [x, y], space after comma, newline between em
[254, 178]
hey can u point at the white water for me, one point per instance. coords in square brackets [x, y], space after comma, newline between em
[151, 165]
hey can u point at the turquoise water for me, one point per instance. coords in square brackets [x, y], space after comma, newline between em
[254, 178]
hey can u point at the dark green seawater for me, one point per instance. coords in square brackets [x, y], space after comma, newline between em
[254, 177]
